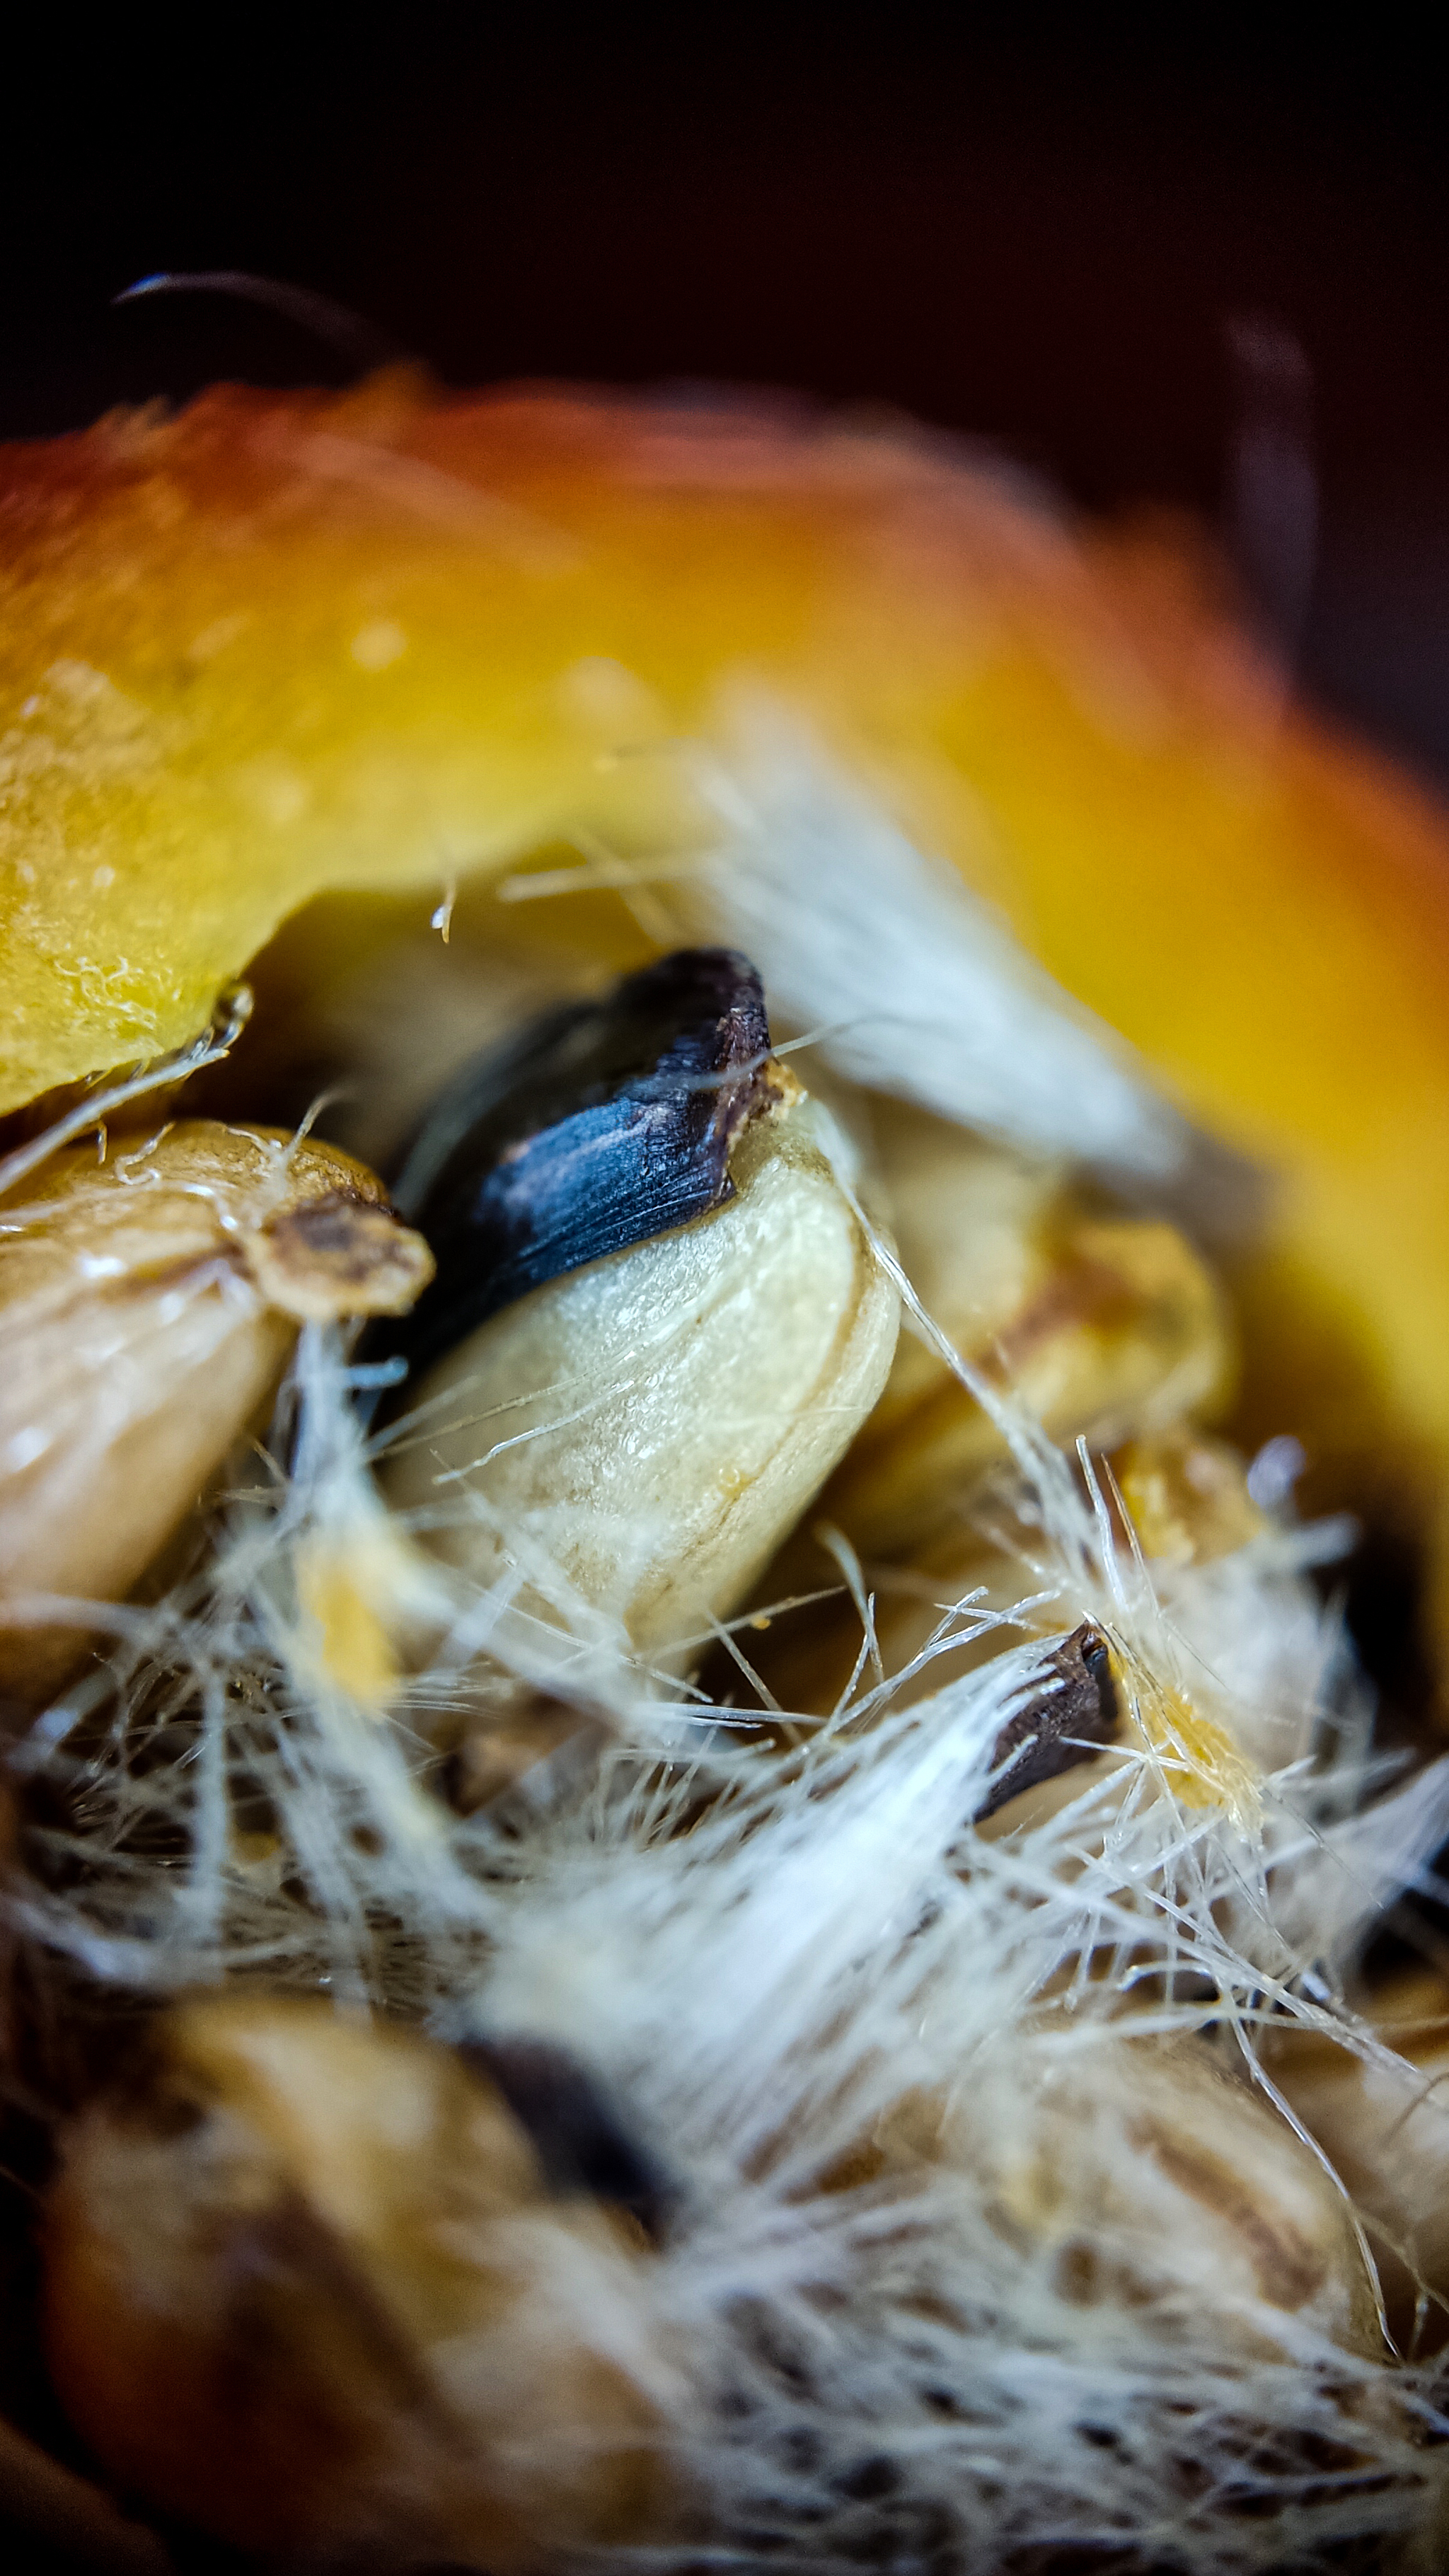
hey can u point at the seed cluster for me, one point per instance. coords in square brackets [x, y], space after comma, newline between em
[801, 1846]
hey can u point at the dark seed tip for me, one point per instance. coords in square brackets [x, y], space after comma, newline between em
[1065, 1723]
[597, 1128]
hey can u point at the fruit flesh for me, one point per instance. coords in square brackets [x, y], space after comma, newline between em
[285, 644]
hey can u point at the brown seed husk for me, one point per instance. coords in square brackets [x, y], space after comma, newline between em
[148, 1306]
[306, 2288]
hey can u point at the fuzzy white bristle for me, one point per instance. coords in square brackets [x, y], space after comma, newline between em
[915, 986]
[760, 1990]
[763, 1948]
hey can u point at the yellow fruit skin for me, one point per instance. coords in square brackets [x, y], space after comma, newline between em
[1264, 911]
[288, 643]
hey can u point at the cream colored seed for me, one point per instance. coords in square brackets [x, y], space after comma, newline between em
[1187, 1496]
[1139, 2176]
[306, 2289]
[148, 1306]
[1103, 1327]
[1385, 2126]
[645, 1431]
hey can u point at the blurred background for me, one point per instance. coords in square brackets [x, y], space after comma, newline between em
[1099, 245]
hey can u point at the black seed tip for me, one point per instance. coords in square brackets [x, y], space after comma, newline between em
[602, 1125]
[1074, 1713]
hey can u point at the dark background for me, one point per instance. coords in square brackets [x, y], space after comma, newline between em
[1036, 232]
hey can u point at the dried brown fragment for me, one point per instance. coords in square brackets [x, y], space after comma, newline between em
[1074, 1712]
[338, 1255]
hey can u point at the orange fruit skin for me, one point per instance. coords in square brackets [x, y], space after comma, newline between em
[286, 643]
